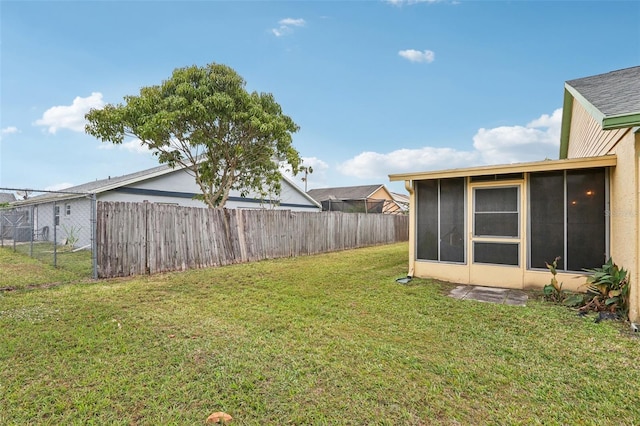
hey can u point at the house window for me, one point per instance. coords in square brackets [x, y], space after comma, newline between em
[440, 220]
[56, 215]
[67, 209]
[496, 253]
[496, 214]
[568, 219]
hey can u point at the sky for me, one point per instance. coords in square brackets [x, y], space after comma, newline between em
[377, 87]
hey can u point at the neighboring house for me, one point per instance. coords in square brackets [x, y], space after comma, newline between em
[6, 197]
[70, 211]
[357, 199]
[402, 200]
[498, 225]
[11, 222]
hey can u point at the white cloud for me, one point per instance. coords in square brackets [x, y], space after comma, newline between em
[552, 121]
[134, 145]
[70, 116]
[292, 22]
[410, 2]
[286, 26]
[538, 140]
[373, 165]
[413, 55]
[318, 178]
[9, 130]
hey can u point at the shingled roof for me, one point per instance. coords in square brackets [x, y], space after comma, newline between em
[343, 193]
[111, 183]
[98, 186]
[7, 197]
[613, 98]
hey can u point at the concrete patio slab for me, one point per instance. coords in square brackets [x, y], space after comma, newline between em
[504, 296]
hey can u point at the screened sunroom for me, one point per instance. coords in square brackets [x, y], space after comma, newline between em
[498, 225]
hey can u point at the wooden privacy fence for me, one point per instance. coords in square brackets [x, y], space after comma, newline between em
[147, 238]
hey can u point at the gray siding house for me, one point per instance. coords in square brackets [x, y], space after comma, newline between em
[70, 212]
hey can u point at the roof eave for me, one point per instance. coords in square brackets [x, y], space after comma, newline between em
[300, 191]
[621, 121]
[104, 188]
[56, 198]
[538, 166]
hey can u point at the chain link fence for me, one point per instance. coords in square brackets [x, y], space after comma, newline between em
[55, 227]
[362, 206]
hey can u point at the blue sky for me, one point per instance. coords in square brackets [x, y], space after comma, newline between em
[377, 87]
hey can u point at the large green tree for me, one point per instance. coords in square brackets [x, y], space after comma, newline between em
[203, 119]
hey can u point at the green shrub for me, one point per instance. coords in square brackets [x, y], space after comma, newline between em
[607, 289]
[553, 291]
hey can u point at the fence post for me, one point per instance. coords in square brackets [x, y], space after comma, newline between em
[32, 220]
[147, 268]
[94, 242]
[15, 232]
[55, 236]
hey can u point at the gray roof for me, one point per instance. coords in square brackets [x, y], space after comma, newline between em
[400, 198]
[7, 197]
[101, 185]
[343, 193]
[110, 183]
[613, 93]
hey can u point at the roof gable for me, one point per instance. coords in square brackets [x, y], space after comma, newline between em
[612, 98]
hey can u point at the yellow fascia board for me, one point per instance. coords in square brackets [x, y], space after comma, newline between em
[537, 166]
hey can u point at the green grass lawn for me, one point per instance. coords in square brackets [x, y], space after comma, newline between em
[19, 271]
[328, 339]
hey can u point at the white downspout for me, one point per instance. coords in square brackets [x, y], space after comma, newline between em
[408, 185]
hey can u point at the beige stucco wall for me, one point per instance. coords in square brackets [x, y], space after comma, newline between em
[498, 276]
[450, 272]
[381, 194]
[588, 139]
[623, 214]
[572, 281]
